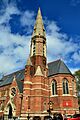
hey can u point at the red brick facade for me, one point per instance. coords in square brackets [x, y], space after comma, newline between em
[64, 102]
[40, 89]
[6, 99]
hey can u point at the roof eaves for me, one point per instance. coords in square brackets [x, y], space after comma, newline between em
[61, 73]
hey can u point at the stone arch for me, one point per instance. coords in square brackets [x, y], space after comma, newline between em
[10, 109]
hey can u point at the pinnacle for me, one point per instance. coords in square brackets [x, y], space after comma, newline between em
[29, 61]
[39, 14]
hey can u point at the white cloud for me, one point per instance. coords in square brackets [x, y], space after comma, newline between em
[7, 12]
[59, 44]
[14, 48]
[15, 51]
[74, 69]
[27, 19]
[76, 57]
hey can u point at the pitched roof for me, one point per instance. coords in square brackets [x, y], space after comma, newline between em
[57, 67]
[19, 75]
[6, 80]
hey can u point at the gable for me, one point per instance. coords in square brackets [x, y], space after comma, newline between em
[8, 79]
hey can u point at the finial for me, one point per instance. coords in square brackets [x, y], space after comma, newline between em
[39, 12]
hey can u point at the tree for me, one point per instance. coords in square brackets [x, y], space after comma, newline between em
[77, 76]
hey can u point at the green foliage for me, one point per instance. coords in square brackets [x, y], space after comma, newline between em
[77, 75]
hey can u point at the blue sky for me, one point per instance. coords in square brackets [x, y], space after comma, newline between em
[62, 23]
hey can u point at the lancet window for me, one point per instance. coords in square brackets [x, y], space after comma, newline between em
[65, 86]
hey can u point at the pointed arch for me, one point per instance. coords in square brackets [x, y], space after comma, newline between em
[8, 111]
[65, 86]
[10, 114]
[10, 108]
[54, 87]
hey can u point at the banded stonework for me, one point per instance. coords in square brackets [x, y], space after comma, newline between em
[41, 88]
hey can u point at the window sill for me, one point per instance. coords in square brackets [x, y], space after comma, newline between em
[66, 95]
[44, 111]
[53, 95]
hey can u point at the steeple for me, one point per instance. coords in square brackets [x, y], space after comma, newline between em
[39, 27]
[38, 43]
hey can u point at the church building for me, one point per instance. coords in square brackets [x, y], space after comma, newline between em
[40, 89]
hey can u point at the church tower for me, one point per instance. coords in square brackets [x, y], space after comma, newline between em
[38, 43]
[46, 89]
[35, 86]
[39, 90]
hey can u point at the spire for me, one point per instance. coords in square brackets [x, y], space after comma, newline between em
[39, 27]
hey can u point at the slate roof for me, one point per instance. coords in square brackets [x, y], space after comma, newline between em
[55, 67]
[19, 75]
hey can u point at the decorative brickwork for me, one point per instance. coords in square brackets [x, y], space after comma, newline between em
[40, 89]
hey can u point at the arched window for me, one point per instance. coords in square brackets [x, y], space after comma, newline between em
[54, 87]
[34, 47]
[65, 87]
[73, 87]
